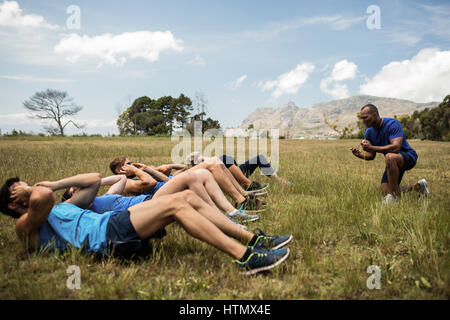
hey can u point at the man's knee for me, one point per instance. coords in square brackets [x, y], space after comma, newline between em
[391, 160]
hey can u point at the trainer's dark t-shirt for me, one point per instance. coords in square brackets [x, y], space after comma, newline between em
[389, 130]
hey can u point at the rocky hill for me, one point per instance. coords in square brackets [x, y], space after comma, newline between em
[308, 123]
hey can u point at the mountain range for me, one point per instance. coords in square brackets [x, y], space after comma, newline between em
[295, 122]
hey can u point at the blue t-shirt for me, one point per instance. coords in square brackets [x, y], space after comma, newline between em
[116, 202]
[158, 185]
[389, 130]
[69, 224]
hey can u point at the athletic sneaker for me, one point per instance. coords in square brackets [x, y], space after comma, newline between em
[261, 260]
[251, 205]
[242, 216]
[255, 187]
[270, 242]
[424, 187]
[389, 199]
[238, 224]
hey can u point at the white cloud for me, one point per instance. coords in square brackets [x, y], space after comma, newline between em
[289, 82]
[343, 70]
[274, 29]
[115, 49]
[198, 61]
[237, 83]
[424, 78]
[31, 78]
[11, 16]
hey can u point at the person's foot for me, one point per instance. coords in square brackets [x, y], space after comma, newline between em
[284, 182]
[238, 224]
[242, 216]
[389, 199]
[256, 187]
[270, 242]
[423, 187]
[251, 204]
[261, 260]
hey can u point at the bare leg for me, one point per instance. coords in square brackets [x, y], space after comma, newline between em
[202, 183]
[222, 180]
[394, 161]
[411, 187]
[239, 176]
[214, 190]
[223, 223]
[150, 216]
[183, 181]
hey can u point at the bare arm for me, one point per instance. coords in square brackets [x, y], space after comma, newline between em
[152, 171]
[145, 182]
[88, 185]
[117, 183]
[365, 155]
[394, 146]
[40, 204]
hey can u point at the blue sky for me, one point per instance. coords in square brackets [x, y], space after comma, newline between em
[240, 55]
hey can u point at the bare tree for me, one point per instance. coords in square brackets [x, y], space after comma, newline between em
[54, 105]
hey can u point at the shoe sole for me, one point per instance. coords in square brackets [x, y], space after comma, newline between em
[283, 243]
[258, 190]
[244, 220]
[253, 271]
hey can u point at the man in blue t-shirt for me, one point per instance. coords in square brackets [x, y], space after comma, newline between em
[42, 224]
[385, 135]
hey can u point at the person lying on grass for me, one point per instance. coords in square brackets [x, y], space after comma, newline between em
[200, 182]
[385, 135]
[42, 224]
[142, 179]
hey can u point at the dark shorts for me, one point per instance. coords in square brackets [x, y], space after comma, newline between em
[249, 166]
[408, 165]
[122, 237]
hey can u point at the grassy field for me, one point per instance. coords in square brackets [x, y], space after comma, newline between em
[334, 212]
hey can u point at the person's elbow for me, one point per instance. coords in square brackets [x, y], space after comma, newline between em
[147, 185]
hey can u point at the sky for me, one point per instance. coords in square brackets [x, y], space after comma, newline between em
[239, 55]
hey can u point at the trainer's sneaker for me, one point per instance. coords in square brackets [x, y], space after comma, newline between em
[256, 187]
[264, 241]
[389, 199]
[242, 216]
[423, 187]
[238, 224]
[261, 260]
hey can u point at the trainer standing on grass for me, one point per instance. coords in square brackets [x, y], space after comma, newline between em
[385, 135]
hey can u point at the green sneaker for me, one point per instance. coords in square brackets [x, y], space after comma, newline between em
[270, 242]
[261, 260]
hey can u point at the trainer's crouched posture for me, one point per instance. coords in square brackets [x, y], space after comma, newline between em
[385, 135]
[41, 223]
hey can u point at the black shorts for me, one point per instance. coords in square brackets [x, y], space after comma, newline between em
[122, 237]
[408, 165]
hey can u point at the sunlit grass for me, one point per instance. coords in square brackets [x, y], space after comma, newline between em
[333, 209]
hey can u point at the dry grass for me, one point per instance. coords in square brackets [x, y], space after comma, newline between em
[334, 212]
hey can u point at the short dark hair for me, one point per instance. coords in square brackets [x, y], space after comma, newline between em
[116, 163]
[5, 198]
[372, 108]
[67, 195]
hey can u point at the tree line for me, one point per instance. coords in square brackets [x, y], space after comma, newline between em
[145, 116]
